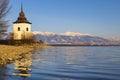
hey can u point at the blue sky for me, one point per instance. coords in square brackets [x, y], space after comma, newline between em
[96, 17]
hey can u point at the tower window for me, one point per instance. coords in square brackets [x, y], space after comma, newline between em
[18, 28]
[27, 29]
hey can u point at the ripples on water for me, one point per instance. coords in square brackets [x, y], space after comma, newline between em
[66, 63]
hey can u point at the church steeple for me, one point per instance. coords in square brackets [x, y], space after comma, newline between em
[21, 27]
[22, 18]
[21, 8]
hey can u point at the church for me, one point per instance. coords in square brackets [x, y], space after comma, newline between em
[21, 27]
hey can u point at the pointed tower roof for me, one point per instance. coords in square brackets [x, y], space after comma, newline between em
[22, 18]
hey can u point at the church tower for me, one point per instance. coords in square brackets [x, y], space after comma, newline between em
[21, 27]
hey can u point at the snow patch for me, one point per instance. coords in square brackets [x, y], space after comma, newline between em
[75, 34]
[44, 33]
[65, 34]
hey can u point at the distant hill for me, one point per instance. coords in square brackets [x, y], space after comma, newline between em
[70, 38]
[73, 38]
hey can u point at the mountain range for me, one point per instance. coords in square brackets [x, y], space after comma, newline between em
[72, 38]
[68, 38]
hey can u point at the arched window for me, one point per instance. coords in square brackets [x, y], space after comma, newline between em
[27, 29]
[18, 28]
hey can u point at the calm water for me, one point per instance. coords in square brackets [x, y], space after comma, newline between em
[66, 63]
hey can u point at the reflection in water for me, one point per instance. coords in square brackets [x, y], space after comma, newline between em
[56, 55]
[76, 63]
[66, 63]
[22, 66]
[3, 73]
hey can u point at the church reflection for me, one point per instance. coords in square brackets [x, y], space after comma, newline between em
[22, 66]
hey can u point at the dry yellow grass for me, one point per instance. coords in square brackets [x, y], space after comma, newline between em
[10, 53]
[6, 49]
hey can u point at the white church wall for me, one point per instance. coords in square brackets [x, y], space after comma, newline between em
[24, 29]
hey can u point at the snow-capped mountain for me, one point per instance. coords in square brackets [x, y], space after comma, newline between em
[69, 37]
[5, 35]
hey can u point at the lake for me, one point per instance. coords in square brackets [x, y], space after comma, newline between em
[66, 63]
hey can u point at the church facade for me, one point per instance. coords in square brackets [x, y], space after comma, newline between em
[21, 27]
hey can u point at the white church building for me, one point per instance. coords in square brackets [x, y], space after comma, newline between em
[21, 27]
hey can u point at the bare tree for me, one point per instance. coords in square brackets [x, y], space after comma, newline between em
[4, 9]
[28, 37]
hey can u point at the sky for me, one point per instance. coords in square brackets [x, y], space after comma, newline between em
[96, 17]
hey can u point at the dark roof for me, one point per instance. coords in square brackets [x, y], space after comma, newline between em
[22, 18]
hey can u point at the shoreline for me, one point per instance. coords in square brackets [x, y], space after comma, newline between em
[79, 45]
[9, 53]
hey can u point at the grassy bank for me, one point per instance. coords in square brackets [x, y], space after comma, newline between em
[10, 53]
